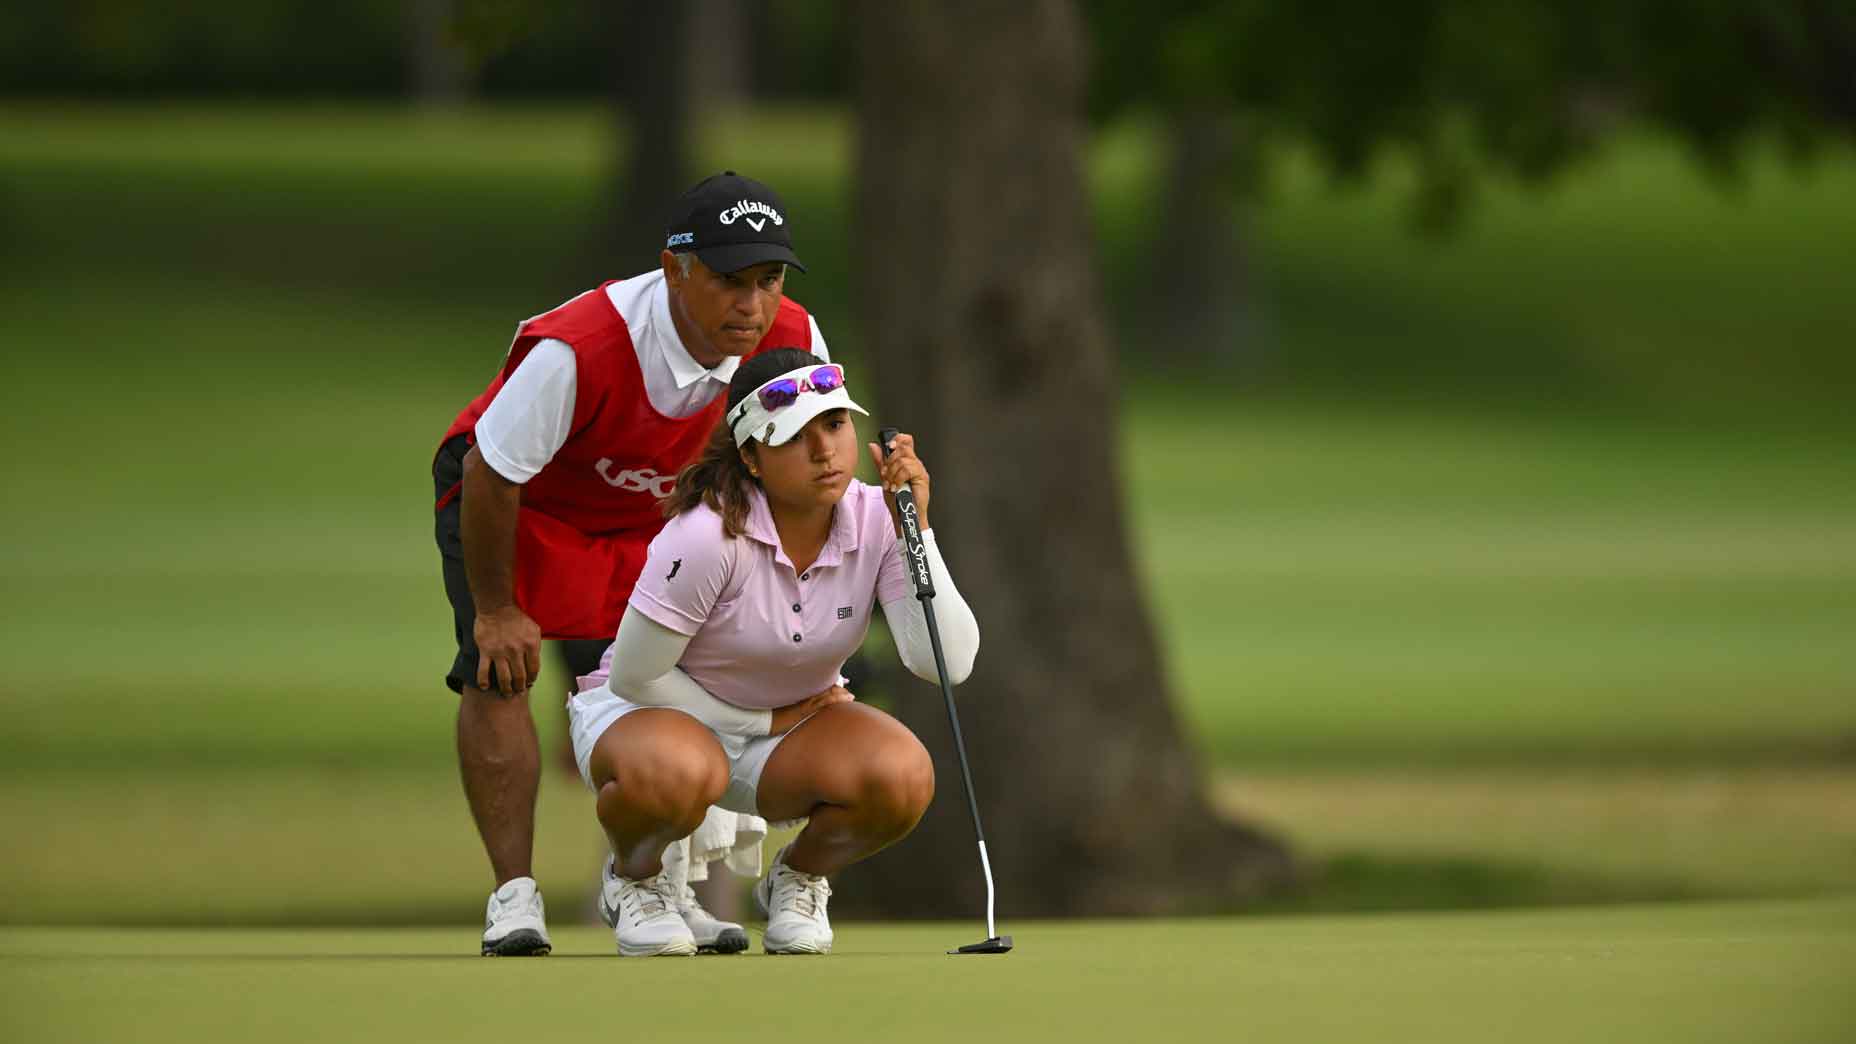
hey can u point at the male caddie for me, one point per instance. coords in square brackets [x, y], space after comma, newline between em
[549, 484]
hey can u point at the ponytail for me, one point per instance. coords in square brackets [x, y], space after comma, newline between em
[719, 479]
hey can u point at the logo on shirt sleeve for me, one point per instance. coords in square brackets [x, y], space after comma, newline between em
[674, 566]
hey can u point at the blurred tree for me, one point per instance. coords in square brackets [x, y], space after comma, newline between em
[804, 50]
[718, 70]
[983, 316]
[275, 48]
[1462, 87]
[657, 110]
[441, 72]
[324, 48]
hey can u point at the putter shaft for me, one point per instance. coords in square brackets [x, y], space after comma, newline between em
[924, 591]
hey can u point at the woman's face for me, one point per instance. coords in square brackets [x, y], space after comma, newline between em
[813, 468]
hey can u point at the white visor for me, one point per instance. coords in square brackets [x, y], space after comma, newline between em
[750, 420]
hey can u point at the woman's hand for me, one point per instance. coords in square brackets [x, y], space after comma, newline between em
[902, 468]
[784, 718]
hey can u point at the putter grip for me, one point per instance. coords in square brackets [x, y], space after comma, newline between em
[911, 528]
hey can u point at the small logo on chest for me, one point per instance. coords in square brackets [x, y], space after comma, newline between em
[844, 612]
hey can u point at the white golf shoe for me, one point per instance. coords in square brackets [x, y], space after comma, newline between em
[643, 915]
[795, 906]
[515, 924]
[712, 934]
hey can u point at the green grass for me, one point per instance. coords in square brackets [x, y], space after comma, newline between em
[1728, 973]
[1340, 587]
[1565, 494]
[1631, 280]
[1389, 839]
[314, 845]
[286, 305]
[1380, 585]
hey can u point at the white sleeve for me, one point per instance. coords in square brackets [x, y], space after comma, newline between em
[960, 631]
[818, 340]
[528, 421]
[645, 672]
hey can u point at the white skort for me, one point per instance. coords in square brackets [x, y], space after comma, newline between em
[591, 713]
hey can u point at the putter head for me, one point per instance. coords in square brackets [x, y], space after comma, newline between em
[996, 944]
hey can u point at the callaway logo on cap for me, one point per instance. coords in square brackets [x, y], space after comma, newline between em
[731, 222]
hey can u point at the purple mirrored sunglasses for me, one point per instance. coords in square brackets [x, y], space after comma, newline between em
[784, 392]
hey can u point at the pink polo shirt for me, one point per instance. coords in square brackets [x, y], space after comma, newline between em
[762, 634]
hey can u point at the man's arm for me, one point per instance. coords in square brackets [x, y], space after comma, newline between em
[523, 428]
[508, 642]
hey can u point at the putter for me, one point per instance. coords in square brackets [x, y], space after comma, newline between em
[924, 590]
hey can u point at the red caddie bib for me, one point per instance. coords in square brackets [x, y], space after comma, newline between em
[589, 514]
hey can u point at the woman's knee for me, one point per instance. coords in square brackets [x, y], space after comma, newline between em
[671, 773]
[677, 775]
[899, 779]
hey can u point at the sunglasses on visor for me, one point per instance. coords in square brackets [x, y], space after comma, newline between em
[784, 392]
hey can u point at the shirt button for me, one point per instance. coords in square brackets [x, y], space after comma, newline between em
[796, 607]
[805, 576]
[795, 637]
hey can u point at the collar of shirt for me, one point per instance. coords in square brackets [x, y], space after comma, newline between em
[842, 541]
[683, 367]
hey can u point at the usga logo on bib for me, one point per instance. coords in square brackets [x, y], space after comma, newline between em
[644, 480]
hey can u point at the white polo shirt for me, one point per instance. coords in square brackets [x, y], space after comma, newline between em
[528, 421]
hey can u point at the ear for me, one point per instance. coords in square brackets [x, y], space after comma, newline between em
[750, 457]
[673, 272]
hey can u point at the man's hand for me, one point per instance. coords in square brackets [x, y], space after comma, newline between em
[508, 650]
[792, 714]
[508, 642]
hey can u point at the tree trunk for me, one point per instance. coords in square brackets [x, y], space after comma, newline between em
[649, 40]
[440, 71]
[1198, 289]
[719, 52]
[982, 316]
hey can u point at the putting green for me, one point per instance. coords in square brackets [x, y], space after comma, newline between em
[1705, 972]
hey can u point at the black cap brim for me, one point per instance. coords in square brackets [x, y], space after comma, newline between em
[733, 257]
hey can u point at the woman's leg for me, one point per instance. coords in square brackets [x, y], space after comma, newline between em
[861, 777]
[656, 772]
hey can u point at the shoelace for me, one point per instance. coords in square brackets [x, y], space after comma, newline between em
[651, 897]
[804, 892]
[666, 891]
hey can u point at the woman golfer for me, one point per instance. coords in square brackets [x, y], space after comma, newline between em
[723, 686]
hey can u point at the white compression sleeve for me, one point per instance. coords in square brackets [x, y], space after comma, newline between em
[645, 672]
[960, 631]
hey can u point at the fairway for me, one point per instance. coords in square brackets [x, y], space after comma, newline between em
[1573, 636]
[1396, 452]
[1721, 972]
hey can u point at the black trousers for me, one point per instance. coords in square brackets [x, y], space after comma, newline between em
[579, 656]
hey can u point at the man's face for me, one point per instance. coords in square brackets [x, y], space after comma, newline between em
[726, 312]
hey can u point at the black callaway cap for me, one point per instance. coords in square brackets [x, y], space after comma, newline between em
[731, 222]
